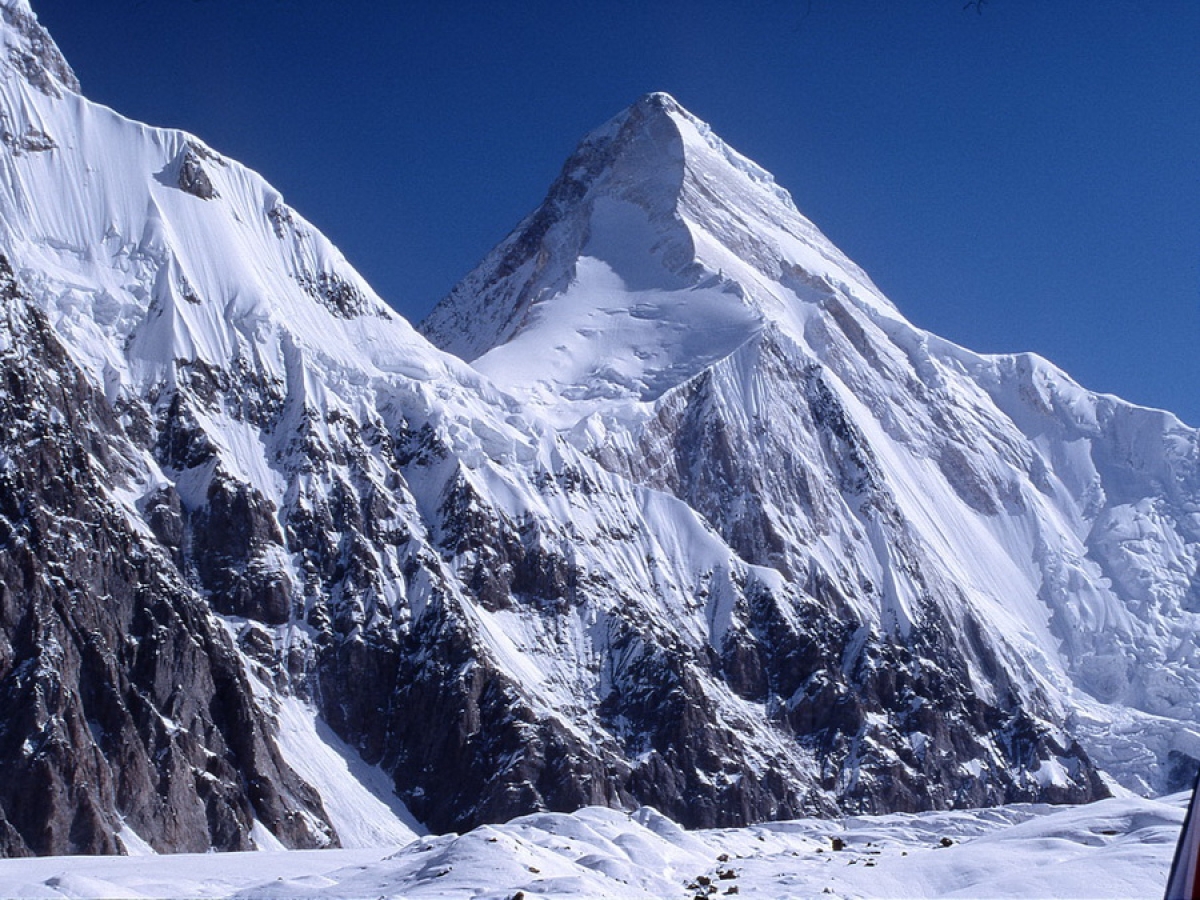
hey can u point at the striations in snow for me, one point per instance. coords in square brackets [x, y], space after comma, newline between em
[735, 540]
[992, 571]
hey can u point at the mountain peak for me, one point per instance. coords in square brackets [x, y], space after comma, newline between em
[31, 50]
[656, 104]
[653, 210]
[783, 554]
[639, 151]
[659, 101]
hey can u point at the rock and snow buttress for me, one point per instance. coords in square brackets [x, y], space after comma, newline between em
[736, 541]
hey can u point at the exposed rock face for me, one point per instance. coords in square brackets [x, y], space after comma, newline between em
[33, 53]
[192, 177]
[118, 692]
[339, 296]
[31, 141]
[732, 357]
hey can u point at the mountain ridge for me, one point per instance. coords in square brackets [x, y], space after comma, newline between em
[715, 556]
[981, 421]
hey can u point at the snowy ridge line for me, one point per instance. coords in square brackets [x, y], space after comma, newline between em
[310, 470]
[685, 302]
[706, 526]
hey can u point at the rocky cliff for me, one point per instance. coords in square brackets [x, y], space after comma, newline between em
[735, 540]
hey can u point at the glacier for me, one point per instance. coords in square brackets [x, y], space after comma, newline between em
[1115, 848]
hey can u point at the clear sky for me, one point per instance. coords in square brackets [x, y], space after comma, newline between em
[1027, 178]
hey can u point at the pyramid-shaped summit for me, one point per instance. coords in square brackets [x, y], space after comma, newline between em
[734, 540]
[953, 514]
[656, 251]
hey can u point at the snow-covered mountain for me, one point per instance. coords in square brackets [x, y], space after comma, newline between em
[707, 525]
[989, 546]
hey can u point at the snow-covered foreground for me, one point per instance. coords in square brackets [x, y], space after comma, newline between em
[1114, 848]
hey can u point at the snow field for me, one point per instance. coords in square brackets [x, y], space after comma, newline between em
[1117, 848]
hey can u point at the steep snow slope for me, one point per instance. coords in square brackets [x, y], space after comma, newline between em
[673, 313]
[357, 522]
[750, 548]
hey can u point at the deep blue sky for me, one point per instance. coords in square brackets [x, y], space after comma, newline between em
[1024, 179]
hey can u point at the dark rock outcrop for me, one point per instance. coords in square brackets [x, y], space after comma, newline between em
[192, 177]
[123, 703]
